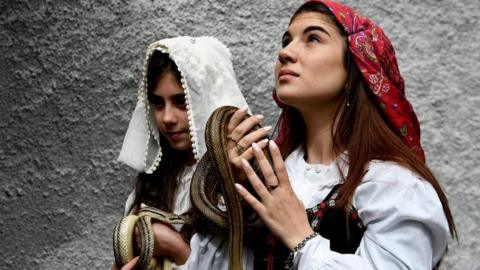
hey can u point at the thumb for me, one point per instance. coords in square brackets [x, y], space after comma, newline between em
[130, 264]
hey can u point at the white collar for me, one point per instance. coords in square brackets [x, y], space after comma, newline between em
[329, 173]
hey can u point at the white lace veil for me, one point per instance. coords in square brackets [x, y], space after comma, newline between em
[208, 81]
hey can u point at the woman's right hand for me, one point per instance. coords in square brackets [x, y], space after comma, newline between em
[241, 138]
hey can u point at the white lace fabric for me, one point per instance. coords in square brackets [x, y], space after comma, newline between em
[208, 81]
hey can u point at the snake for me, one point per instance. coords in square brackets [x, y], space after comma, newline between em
[214, 170]
[123, 238]
[225, 215]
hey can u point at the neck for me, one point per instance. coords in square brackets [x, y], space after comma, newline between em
[319, 141]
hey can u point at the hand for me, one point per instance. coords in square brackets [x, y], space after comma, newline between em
[241, 139]
[168, 243]
[279, 208]
[128, 266]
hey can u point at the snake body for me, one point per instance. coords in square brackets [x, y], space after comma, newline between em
[215, 169]
[123, 238]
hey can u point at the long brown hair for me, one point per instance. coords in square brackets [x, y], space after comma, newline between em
[361, 130]
[158, 189]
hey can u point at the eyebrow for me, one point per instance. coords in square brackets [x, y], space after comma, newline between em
[316, 28]
[158, 100]
[308, 29]
[155, 99]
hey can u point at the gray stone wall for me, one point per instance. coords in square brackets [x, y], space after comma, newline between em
[69, 73]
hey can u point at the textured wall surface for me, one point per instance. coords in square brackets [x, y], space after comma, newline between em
[69, 73]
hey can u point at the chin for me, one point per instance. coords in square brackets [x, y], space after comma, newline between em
[181, 146]
[178, 147]
[288, 98]
[287, 91]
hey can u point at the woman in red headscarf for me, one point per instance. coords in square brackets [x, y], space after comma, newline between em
[348, 151]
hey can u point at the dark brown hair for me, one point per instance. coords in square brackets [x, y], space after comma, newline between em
[361, 131]
[158, 189]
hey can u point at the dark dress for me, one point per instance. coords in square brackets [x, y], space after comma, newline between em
[342, 227]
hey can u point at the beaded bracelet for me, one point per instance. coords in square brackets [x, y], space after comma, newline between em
[304, 241]
[289, 261]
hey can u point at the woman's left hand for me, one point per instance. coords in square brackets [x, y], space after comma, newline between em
[168, 242]
[279, 207]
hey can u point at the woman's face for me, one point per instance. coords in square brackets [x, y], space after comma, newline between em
[170, 109]
[310, 70]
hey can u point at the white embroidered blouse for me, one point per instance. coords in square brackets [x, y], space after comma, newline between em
[406, 225]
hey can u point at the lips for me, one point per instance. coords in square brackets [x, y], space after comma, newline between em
[286, 74]
[175, 135]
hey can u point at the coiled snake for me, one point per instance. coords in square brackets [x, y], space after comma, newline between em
[213, 172]
[123, 238]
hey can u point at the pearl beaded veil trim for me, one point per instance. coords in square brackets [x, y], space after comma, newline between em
[208, 81]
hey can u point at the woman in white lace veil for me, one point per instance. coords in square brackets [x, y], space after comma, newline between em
[184, 80]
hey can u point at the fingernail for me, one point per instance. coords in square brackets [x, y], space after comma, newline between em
[272, 144]
[244, 109]
[264, 141]
[267, 128]
[255, 147]
[238, 186]
[259, 116]
[245, 163]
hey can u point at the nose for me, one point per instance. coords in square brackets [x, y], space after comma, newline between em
[287, 54]
[169, 116]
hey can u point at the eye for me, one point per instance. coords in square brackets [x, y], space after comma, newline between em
[285, 41]
[159, 105]
[156, 101]
[180, 102]
[313, 38]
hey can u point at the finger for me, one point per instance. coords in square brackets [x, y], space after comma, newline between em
[248, 154]
[250, 199]
[245, 126]
[236, 118]
[256, 183]
[255, 136]
[138, 240]
[265, 167]
[130, 264]
[280, 170]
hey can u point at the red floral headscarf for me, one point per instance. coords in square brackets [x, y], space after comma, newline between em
[374, 55]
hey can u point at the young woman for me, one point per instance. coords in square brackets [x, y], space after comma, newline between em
[354, 191]
[185, 80]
